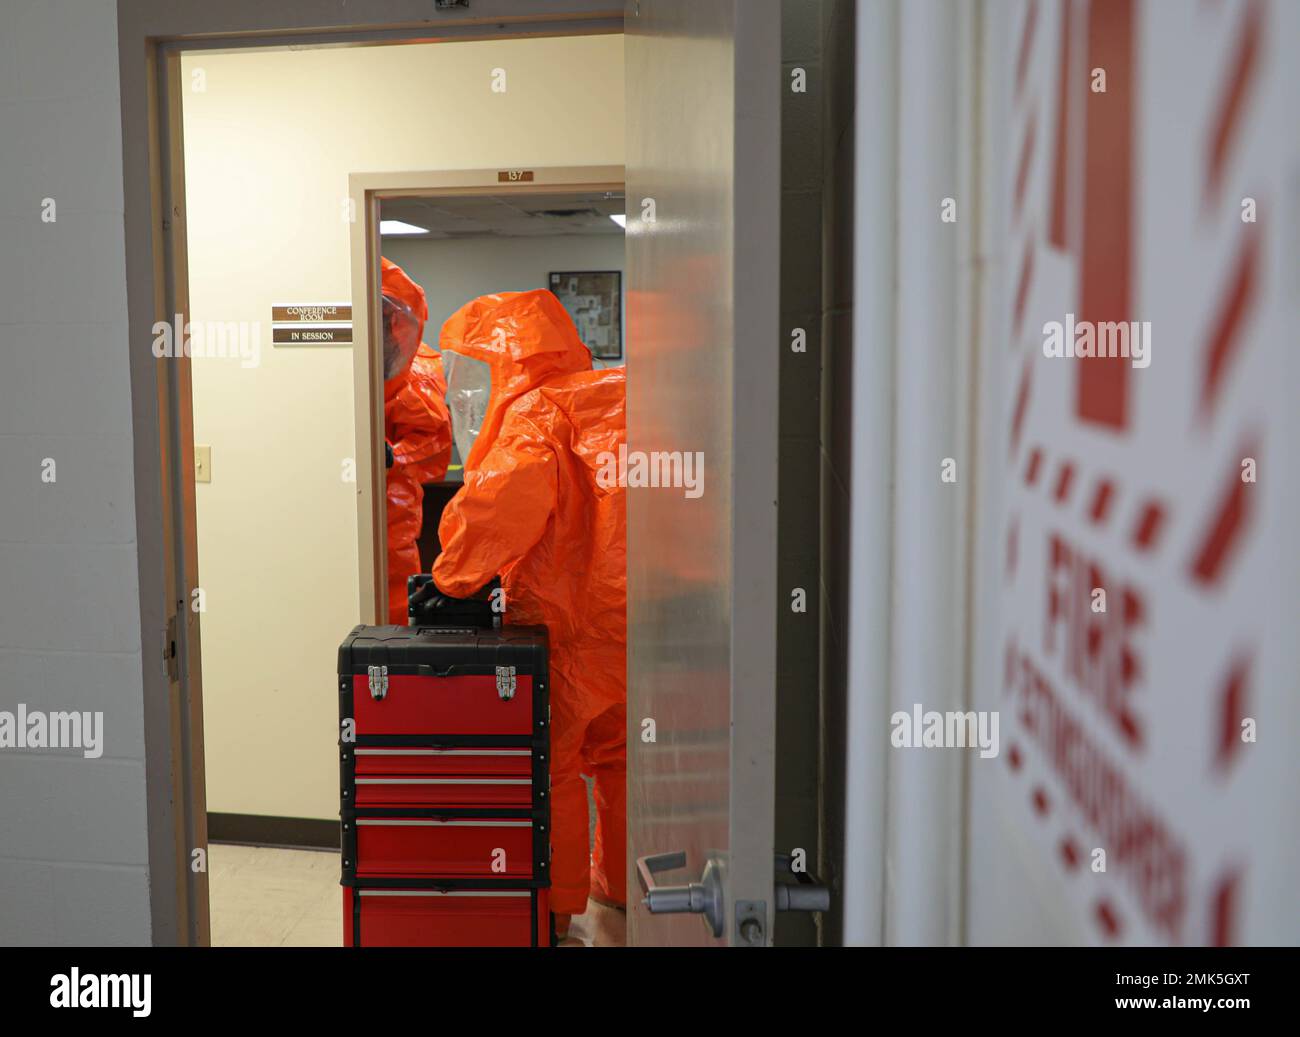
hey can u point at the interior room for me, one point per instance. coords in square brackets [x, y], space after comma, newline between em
[275, 427]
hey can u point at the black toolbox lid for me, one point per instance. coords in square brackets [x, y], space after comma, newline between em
[444, 651]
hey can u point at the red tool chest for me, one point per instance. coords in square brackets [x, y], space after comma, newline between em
[444, 754]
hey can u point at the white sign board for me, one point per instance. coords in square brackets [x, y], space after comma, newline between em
[1148, 598]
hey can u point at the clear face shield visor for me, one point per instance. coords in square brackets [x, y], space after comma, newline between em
[401, 337]
[469, 387]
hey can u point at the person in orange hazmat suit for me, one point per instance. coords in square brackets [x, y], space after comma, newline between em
[539, 509]
[417, 426]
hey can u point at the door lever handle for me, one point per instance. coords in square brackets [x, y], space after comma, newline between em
[700, 898]
[706, 896]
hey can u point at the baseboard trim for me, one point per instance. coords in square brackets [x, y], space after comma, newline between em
[296, 833]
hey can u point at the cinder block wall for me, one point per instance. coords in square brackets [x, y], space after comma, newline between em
[73, 846]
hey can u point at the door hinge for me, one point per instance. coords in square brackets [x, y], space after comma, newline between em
[506, 682]
[377, 681]
[170, 653]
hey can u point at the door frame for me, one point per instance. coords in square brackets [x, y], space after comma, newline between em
[151, 35]
[367, 191]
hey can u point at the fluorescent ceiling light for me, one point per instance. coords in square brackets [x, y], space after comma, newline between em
[390, 228]
[620, 218]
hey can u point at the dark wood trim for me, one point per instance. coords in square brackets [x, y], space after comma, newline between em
[295, 833]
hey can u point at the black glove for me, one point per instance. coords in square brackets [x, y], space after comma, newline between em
[429, 606]
[426, 596]
[388, 454]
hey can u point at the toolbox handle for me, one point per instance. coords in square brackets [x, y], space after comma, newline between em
[450, 670]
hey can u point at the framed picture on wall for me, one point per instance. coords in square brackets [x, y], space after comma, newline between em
[594, 299]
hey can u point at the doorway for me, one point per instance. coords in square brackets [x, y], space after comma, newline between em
[280, 415]
[702, 305]
[468, 233]
[460, 246]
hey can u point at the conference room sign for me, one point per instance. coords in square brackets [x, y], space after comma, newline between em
[311, 324]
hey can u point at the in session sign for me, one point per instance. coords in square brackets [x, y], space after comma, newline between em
[311, 324]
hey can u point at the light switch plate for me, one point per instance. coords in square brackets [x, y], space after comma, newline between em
[203, 464]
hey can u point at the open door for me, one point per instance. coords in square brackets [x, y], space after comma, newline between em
[366, 192]
[703, 261]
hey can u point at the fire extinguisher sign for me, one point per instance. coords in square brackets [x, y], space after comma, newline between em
[1148, 556]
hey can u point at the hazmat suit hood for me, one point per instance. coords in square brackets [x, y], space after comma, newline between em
[524, 339]
[405, 312]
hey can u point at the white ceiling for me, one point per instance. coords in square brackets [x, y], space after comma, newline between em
[512, 216]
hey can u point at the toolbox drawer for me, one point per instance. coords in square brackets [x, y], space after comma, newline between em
[461, 847]
[396, 777]
[420, 761]
[412, 704]
[445, 918]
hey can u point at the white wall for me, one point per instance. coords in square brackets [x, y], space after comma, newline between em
[454, 271]
[270, 141]
[73, 846]
[1224, 807]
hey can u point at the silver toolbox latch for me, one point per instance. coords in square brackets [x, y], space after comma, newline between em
[506, 682]
[377, 679]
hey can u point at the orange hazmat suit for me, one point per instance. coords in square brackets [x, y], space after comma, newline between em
[534, 511]
[418, 427]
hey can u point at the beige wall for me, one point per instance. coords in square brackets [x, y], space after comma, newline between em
[452, 272]
[269, 143]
